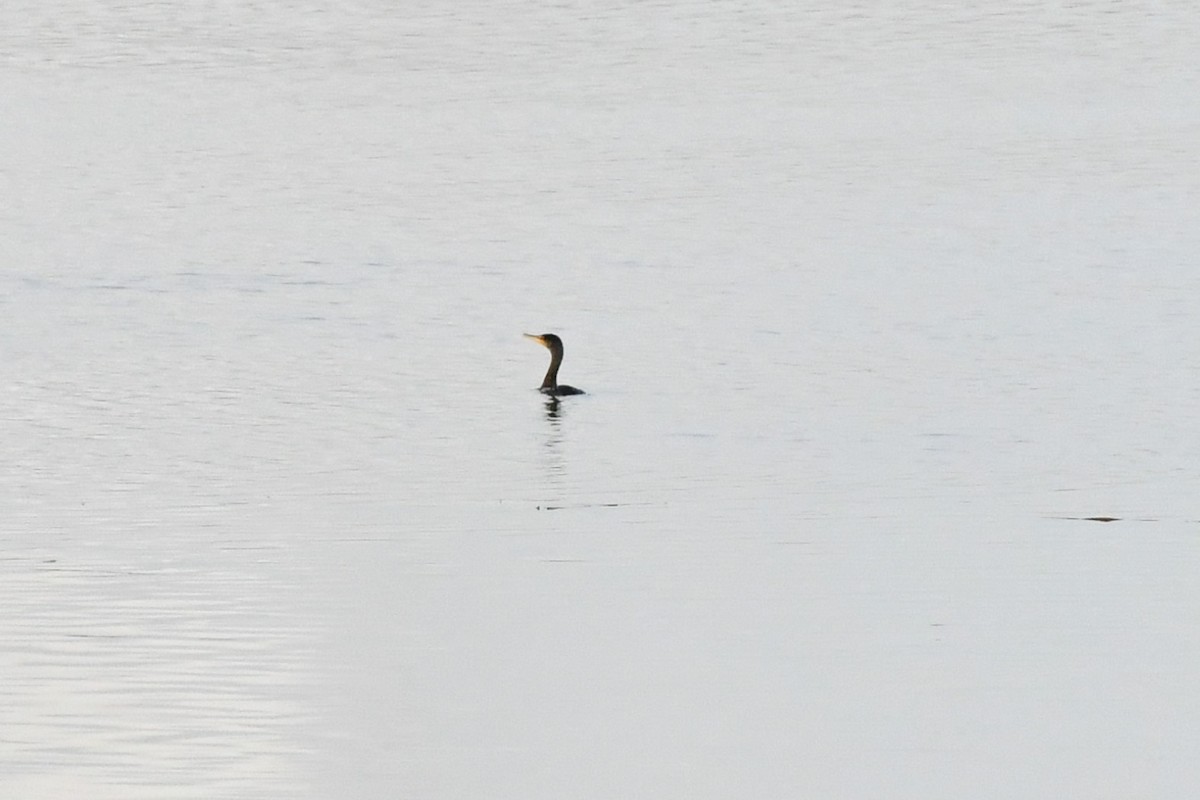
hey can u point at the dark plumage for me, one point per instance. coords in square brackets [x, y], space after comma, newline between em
[550, 384]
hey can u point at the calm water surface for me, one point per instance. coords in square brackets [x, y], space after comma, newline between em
[874, 308]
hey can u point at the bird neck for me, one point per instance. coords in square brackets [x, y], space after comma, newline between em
[551, 379]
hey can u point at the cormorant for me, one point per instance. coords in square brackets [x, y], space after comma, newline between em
[550, 382]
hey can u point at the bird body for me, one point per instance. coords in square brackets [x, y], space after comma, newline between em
[550, 384]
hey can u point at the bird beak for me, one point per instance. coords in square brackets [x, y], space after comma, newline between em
[535, 337]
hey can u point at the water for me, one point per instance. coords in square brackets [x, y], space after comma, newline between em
[874, 308]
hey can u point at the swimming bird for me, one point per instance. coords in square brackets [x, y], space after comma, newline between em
[550, 382]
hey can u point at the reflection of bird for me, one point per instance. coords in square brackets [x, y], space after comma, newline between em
[550, 383]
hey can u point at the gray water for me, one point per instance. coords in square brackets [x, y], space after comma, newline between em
[875, 308]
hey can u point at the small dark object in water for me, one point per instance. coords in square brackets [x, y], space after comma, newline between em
[1101, 519]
